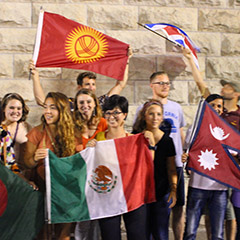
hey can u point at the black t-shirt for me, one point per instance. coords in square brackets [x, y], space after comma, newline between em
[165, 149]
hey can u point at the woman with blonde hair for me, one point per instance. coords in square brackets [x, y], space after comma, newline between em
[56, 132]
[165, 175]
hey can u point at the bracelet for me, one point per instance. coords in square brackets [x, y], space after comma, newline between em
[152, 147]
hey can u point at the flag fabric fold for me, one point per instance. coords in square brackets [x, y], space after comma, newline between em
[112, 178]
[176, 35]
[21, 208]
[61, 42]
[210, 151]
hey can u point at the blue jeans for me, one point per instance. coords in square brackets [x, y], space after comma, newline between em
[158, 219]
[196, 201]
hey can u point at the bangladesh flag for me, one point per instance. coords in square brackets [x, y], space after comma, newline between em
[21, 208]
[112, 178]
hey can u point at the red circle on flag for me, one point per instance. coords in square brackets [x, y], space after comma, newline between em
[3, 198]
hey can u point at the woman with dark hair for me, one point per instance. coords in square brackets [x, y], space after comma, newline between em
[56, 132]
[115, 111]
[14, 113]
[165, 175]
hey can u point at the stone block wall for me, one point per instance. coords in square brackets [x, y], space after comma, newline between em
[214, 25]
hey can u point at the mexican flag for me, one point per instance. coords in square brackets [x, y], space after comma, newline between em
[21, 208]
[62, 42]
[112, 178]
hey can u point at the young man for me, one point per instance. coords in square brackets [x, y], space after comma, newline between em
[173, 116]
[204, 192]
[84, 80]
[231, 113]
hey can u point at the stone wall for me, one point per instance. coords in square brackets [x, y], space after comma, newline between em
[214, 25]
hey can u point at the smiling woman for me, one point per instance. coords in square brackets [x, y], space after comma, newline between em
[14, 112]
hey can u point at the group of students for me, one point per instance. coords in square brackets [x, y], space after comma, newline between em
[69, 126]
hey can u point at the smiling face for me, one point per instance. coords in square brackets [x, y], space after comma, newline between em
[153, 117]
[13, 110]
[85, 105]
[115, 117]
[51, 113]
[217, 105]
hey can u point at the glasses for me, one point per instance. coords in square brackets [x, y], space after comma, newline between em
[162, 83]
[114, 114]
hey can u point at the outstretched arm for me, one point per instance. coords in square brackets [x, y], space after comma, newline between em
[120, 85]
[37, 87]
[201, 84]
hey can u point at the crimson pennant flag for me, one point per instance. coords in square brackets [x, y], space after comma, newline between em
[61, 42]
[210, 152]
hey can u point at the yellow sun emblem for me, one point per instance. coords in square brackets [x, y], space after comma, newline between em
[85, 45]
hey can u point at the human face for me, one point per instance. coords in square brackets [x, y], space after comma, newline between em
[160, 86]
[89, 83]
[217, 105]
[13, 110]
[228, 92]
[115, 117]
[51, 113]
[85, 105]
[153, 117]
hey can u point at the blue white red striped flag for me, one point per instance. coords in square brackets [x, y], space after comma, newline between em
[176, 35]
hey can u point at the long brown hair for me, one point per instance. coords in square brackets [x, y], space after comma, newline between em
[140, 124]
[65, 141]
[79, 121]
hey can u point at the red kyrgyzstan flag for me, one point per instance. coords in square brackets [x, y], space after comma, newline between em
[61, 42]
[210, 151]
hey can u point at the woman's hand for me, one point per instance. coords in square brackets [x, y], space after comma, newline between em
[33, 185]
[184, 157]
[173, 196]
[149, 136]
[40, 154]
[91, 143]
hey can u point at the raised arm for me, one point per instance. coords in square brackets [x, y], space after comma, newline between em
[201, 84]
[120, 85]
[37, 87]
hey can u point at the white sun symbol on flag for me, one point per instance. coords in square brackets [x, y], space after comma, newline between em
[208, 159]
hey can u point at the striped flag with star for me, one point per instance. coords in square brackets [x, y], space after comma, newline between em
[61, 42]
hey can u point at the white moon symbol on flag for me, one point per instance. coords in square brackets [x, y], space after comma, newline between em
[218, 133]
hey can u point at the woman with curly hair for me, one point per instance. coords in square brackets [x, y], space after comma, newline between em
[13, 115]
[56, 132]
[165, 175]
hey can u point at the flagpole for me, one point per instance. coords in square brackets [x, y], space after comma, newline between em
[159, 34]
